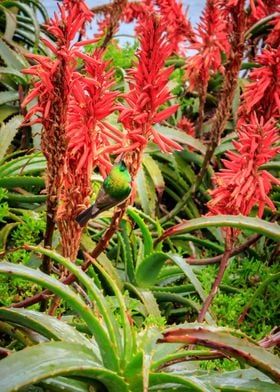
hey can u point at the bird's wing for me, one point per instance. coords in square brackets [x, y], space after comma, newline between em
[103, 202]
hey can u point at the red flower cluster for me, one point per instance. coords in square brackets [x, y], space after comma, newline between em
[178, 26]
[187, 126]
[273, 38]
[90, 137]
[52, 90]
[70, 107]
[263, 94]
[148, 88]
[243, 184]
[211, 40]
[136, 10]
[82, 9]
[262, 8]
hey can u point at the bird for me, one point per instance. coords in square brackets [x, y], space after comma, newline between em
[115, 189]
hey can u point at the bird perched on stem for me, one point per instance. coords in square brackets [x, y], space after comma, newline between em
[115, 189]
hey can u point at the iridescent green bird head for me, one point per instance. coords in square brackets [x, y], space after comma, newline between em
[118, 182]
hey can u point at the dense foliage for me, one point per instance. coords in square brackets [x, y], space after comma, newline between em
[177, 286]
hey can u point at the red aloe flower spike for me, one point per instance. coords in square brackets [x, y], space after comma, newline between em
[148, 88]
[90, 140]
[262, 8]
[273, 39]
[52, 91]
[178, 26]
[136, 10]
[212, 39]
[117, 9]
[187, 126]
[242, 184]
[263, 94]
[237, 16]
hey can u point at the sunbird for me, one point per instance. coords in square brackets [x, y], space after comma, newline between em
[115, 189]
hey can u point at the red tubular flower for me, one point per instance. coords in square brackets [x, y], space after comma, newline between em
[263, 94]
[90, 138]
[243, 184]
[212, 40]
[178, 26]
[136, 10]
[82, 9]
[148, 89]
[273, 39]
[56, 78]
[262, 8]
[187, 126]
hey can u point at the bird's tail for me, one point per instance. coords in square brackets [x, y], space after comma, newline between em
[84, 216]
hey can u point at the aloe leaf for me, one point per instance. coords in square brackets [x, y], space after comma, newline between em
[190, 384]
[176, 298]
[169, 358]
[154, 172]
[4, 233]
[271, 230]
[53, 359]
[11, 23]
[40, 7]
[62, 384]
[241, 381]
[129, 344]
[19, 198]
[272, 165]
[48, 326]
[94, 293]
[8, 96]
[11, 58]
[203, 242]
[147, 271]
[23, 165]
[109, 268]
[8, 132]
[127, 254]
[187, 269]
[147, 298]
[6, 111]
[26, 182]
[28, 11]
[146, 193]
[224, 341]
[147, 237]
[224, 147]
[73, 300]
[13, 72]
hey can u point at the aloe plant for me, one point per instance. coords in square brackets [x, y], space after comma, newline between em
[115, 355]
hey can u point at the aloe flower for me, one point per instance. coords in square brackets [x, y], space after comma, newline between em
[243, 184]
[52, 84]
[136, 10]
[273, 38]
[263, 94]
[262, 8]
[210, 42]
[178, 26]
[148, 89]
[90, 140]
